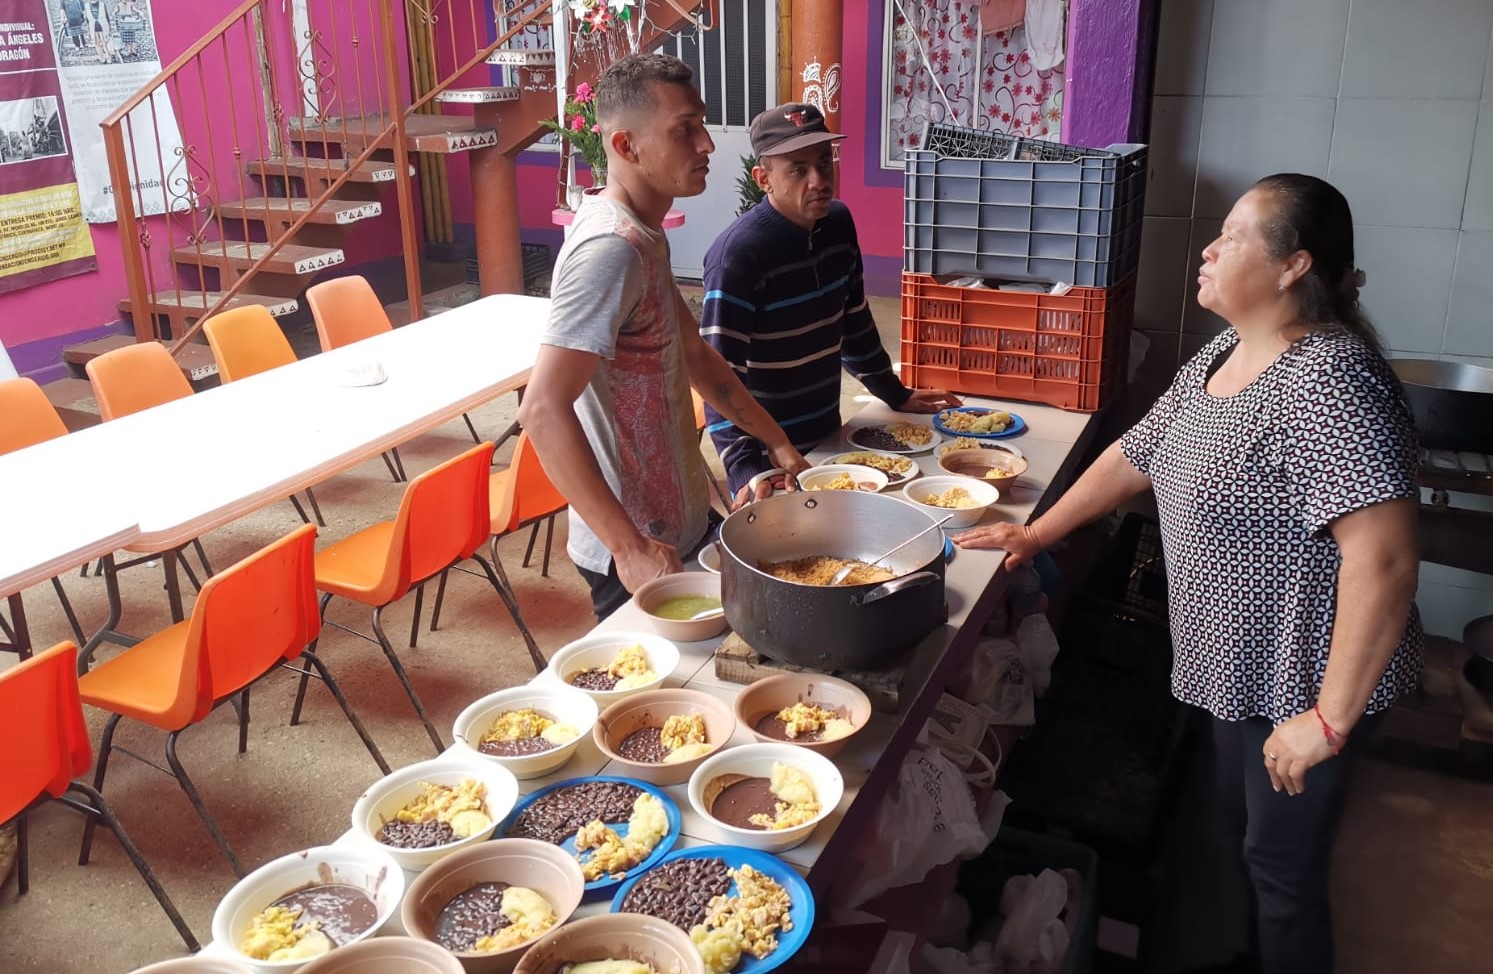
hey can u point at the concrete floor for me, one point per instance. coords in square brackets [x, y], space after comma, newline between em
[1414, 871]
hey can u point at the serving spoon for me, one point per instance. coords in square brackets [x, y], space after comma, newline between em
[844, 573]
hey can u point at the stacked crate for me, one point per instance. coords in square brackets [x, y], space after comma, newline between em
[1002, 207]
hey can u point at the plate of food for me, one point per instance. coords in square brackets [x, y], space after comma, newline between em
[978, 422]
[738, 875]
[900, 437]
[971, 443]
[615, 827]
[898, 469]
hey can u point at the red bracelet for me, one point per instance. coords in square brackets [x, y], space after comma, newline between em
[1333, 738]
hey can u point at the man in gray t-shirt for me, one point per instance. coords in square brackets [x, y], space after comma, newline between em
[608, 404]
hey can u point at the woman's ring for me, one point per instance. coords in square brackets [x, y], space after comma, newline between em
[1270, 756]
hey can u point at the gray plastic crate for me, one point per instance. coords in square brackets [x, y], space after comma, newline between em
[1001, 206]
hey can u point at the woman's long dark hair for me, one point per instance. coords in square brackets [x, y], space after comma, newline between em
[1310, 214]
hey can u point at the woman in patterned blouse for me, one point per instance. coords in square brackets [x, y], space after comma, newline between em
[1283, 461]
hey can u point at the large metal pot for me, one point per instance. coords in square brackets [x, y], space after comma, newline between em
[840, 627]
[1452, 403]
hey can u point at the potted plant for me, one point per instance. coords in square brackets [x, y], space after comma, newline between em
[578, 127]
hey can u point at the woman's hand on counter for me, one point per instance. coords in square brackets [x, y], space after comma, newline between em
[1019, 540]
[1293, 749]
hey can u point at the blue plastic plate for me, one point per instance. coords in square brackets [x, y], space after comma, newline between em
[1018, 425]
[801, 913]
[606, 884]
[948, 549]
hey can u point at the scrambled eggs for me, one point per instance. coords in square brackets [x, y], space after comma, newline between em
[806, 718]
[614, 855]
[953, 498]
[273, 935]
[520, 725]
[684, 736]
[631, 668]
[797, 803]
[840, 481]
[746, 923]
[912, 434]
[962, 422]
[463, 807]
[530, 913]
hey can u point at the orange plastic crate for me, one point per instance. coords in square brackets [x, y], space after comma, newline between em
[1067, 351]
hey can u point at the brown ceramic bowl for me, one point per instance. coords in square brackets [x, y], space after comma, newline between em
[387, 955]
[977, 463]
[547, 869]
[653, 593]
[772, 694]
[650, 709]
[615, 936]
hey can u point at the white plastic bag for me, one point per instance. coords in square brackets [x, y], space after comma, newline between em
[931, 821]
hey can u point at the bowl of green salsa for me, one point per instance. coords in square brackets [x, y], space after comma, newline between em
[672, 602]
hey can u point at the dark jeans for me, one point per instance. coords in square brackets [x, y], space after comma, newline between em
[1286, 842]
[607, 593]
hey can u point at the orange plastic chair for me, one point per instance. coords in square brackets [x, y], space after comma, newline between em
[43, 745]
[442, 521]
[125, 381]
[247, 341]
[30, 419]
[700, 421]
[249, 620]
[518, 496]
[135, 377]
[346, 310]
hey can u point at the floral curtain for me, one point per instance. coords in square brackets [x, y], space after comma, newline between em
[1004, 93]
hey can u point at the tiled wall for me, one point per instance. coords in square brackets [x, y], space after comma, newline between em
[1390, 100]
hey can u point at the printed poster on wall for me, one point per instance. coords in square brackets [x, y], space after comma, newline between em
[42, 233]
[106, 51]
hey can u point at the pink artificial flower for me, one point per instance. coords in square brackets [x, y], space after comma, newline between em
[577, 123]
[595, 128]
[583, 92]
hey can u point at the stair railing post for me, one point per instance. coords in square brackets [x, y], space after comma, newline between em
[141, 312]
[398, 111]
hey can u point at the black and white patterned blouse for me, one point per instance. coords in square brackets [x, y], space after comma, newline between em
[1246, 487]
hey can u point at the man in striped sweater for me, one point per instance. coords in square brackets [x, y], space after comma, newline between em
[785, 302]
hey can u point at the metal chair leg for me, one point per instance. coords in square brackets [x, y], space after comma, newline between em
[470, 428]
[315, 508]
[183, 779]
[7, 631]
[106, 748]
[202, 557]
[399, 464]
[529, 549]
[299, 510]
[404, 678]
[67, 610]
[415, 622]
[549, 542]
[98, 808]
[440, 596]
[352, 717]
[23, 865]
[300, 691]
[389, 462]
[241, 704]
[499, 579]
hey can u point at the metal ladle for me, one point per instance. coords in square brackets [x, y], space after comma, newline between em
[844, 573]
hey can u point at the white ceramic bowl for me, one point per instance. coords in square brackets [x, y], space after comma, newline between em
[964, 517]
[371, 870]
[757, 760]
[563, 704]
[600, 648]
[815, 478]
[385, 797]
[709, 558]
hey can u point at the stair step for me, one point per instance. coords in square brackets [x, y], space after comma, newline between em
[424, 133]
[523, 57]
[195, 360]
[478, 96]
[73, 399]
[289, 259]
[304, 167]
[276, 208]
[190, 301]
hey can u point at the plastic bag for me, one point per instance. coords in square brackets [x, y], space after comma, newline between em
[1032, 935]
[931, 821]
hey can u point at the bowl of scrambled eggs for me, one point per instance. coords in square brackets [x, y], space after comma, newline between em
[808, 710]
[964, 497]
[296, 908]
[608, 666]
[691, 725]
[530, 730]
[425, 811]
[787, 791]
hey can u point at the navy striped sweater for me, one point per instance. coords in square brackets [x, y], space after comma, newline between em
[787, 308]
